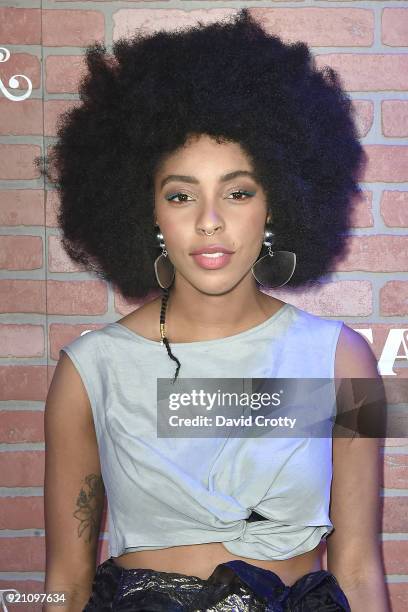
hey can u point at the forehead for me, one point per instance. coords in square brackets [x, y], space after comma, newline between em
[203, 152]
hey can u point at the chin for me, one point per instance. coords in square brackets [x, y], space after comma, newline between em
[214, 291]
[217, 286]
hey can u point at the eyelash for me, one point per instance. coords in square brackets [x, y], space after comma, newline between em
[241, 191]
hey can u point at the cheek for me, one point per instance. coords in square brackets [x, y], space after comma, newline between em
[251, 230]
[173, 233]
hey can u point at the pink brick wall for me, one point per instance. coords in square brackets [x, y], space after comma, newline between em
[44, 298]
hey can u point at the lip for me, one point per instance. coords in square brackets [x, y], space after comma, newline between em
[213, 248]
[212, 263]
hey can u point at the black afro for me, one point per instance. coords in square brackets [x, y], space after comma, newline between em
[230, 80]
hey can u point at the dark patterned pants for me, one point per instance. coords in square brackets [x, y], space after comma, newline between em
[235, 586]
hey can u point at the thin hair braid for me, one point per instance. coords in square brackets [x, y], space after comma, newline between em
[165, 299]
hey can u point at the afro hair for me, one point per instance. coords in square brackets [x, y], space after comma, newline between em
[234, 82]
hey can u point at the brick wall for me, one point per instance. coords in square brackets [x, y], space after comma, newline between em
[44, 298]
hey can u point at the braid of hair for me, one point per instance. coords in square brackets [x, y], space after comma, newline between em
[165, 299]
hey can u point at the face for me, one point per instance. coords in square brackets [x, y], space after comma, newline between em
[193, 194]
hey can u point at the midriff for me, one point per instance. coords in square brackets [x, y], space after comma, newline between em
[201, 559]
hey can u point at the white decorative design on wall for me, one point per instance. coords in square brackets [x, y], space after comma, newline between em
[13, 81]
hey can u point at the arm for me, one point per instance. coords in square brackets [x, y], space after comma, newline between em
[73, 489]
[353, 548]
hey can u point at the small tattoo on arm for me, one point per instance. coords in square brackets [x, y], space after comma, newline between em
[90, 506]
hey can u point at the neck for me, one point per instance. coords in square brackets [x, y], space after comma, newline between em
[193, 315]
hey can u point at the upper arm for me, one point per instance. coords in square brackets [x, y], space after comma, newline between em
[353, 547]
[73, 488]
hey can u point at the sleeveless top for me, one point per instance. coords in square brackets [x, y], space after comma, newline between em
[165, 492]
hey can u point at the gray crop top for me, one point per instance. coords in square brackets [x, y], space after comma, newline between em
[166, 492]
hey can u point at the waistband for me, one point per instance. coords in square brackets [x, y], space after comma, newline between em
[234, 583]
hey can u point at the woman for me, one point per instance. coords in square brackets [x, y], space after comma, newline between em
[212, 144]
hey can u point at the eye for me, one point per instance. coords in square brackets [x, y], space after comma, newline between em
[183, 196]
[241, 192]
[171, 198]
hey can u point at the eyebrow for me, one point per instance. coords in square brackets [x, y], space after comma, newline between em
[192, 179]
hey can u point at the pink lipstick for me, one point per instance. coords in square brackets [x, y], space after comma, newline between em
[212, 257]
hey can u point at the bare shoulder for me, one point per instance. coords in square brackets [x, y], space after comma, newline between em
[145, 319]
[358, 385]
[354, 356]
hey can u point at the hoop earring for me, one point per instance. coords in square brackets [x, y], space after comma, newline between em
[163, 268]
[275, 268]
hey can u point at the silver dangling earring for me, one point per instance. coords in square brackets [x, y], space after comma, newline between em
[163, 268]
[275, 268]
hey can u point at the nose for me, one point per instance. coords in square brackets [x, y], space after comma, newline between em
[209, 221]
